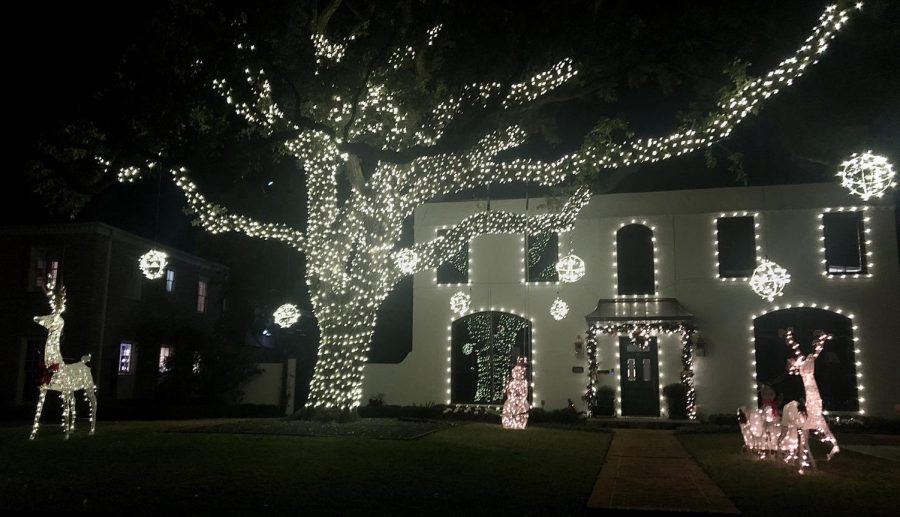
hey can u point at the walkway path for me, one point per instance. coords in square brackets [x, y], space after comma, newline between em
[650, 470]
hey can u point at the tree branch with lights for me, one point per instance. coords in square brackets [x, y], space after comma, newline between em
[393, 156]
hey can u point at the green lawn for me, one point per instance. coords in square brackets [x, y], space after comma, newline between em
[149, 467]
[850, 484]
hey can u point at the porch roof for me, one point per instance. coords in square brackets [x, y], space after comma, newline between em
[638, 310]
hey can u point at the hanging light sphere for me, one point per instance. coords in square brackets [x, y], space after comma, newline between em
[460, 302]
[769, 279]
[406, 261]
[867, 175]
[153, 264]
[286, 315]
[559, 309]
[468, 348]
[570, 268]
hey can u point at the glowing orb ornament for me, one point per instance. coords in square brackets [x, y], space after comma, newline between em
[559, 309]
[468, 348]
[769, 279]
[286, 315]
[570, 268]
[406, 261]
[153, 264]
[460, 302]
[867, 175]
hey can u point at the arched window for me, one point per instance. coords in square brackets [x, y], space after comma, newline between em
[484, 347]
[635, 272]
[835, 366]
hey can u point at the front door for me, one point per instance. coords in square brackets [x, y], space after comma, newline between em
[639, 376]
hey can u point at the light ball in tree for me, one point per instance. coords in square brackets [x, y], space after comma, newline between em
[153, 264]
[460, 302]
[559, 309]
[867, 175]
[570, 268]
[406, 261]
[286, 315]
[769, 279]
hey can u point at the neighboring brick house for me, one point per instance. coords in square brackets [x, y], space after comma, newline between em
[128, 323]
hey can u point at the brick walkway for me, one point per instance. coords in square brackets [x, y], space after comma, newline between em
[650, 470]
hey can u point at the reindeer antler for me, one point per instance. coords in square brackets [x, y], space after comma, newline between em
[56, 296]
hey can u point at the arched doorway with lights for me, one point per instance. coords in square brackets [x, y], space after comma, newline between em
[836, 371]
[484, 347]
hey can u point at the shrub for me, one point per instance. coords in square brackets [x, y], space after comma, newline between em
[676, 400]
[604, 403]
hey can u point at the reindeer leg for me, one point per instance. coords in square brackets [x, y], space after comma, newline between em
[37, 414]
[92, 402]
[73, 417]
[66, 413]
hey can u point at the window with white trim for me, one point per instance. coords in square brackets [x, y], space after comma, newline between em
[844, 234]
[736, 246]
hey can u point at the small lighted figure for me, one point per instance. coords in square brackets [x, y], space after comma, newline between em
[515, 409]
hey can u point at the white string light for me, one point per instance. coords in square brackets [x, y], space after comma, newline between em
[756, 241]
[460, 302]
[286, 315]
[515, 408]
[867, 175]
[769, 279]
[570, 268]
[866, 240]
[153, 264]
[559, 309]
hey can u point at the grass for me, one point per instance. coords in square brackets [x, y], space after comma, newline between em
[850, 484]
[149, 467]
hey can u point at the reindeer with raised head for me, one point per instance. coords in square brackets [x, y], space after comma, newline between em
[63, 378]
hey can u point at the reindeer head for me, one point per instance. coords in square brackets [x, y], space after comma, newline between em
[57, 298]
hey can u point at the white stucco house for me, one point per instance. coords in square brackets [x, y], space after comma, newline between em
[677, 261]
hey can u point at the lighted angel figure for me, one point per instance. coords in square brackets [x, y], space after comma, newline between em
[515, 409]
[805, 367]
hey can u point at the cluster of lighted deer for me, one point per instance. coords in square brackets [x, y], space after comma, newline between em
[787, 438]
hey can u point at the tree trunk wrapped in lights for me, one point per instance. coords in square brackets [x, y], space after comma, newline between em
[352, 235]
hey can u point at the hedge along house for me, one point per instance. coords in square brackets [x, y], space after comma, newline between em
[665, 299]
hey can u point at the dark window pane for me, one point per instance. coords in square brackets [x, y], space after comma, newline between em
[456, 269]
[541, 256]
[634, 260]
[737, 246]
[845, 243]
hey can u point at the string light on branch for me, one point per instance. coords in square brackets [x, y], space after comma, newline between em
[570, 268]
[769, 279]
[351, 234]
[867, 175]
[153, 264]
[559, 309]
[460, 302]
[286, 315]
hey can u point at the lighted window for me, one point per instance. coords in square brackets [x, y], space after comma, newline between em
[202, 296]
[44, 268]
[845, 243]
[736, 246]
[541, 256]
[635, 272]
[170, 280]
[165, 355]
[125, 358]
[454, 270]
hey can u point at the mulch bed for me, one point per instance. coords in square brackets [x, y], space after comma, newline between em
[378, 428]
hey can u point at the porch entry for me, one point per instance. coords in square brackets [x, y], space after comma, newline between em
[639, 371]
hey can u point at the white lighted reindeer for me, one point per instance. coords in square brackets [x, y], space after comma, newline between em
[65, 378]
